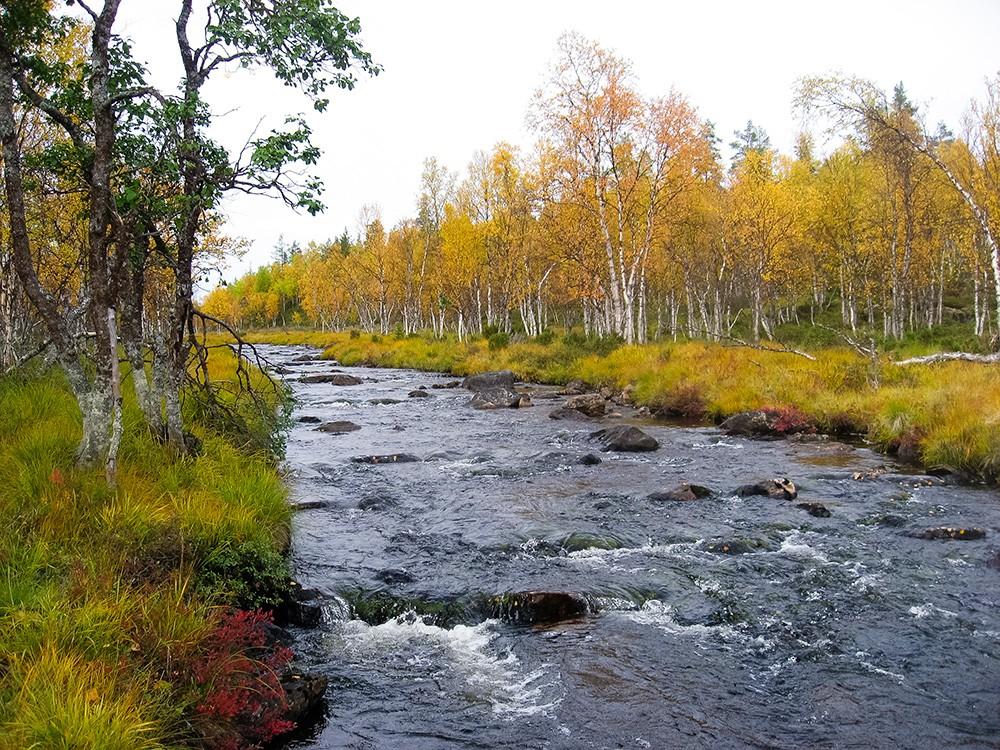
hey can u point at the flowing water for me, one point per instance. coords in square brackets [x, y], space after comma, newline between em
[833, 632]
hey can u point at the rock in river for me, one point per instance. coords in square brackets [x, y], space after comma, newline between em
[418, 394]
[781, 489]
[682, 493]
[624, 438]
[304, 693]
[391, 458]
[590, 404]
[338, 428]
[499, 398]
[487, 381]
[309, 419]
[736, 546]
[948, 532]
[536, 607]
[334, 378]
[815, 509]
[765, 423]
[590, 460]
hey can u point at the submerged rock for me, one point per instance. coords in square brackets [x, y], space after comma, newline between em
[781, 489]
[394, 575]
[449, 384]
[581, 540]
[335, 378]
[499, 398]
[338, 427]
[486, 381]
[309, 419]
[948, 532]
[538, 607]
[391, 458]
[815, 509]
[376, 608]
[418, 394]
[682, 493]
[590, 460]
[310, 505]
[384, 401]
[624, 438]
[377, 502]
[305, 358]
[736, 546]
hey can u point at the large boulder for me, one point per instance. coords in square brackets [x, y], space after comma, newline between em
[339, 427]
[767, 423]
[538, 607]
[682, 493]
[334, 378]
[499, 398]
[487, 381]
[624, 438]
[780, 488]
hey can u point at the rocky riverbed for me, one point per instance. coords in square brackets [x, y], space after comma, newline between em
[492, 577]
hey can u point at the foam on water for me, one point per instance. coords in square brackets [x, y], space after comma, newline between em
[469, 652]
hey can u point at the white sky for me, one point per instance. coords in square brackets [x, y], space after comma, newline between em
[459, 76]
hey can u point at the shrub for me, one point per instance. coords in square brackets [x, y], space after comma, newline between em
[249, 575]
[498, 341]
[789, 420]
[239, 676]
[686, 400]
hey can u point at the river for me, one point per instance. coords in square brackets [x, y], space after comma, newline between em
[837, 632]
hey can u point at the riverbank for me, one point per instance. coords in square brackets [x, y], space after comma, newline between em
[941, 415]
[124, 613]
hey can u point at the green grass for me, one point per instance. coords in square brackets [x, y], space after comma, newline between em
[104, 593]
[949, 412]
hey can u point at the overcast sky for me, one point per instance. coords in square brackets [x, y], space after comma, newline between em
[459, 76]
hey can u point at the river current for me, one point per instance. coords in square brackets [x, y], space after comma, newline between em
[838, 632]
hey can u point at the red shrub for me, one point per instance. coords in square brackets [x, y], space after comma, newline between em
[787, 420]
[239, 675]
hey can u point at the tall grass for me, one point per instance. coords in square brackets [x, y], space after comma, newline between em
[103, 593]
[945, 414]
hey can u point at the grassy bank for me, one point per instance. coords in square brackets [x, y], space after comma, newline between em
[114, 629]
[946, 414]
